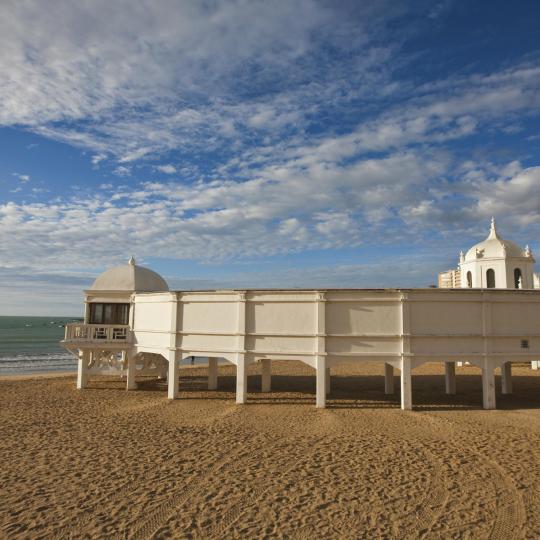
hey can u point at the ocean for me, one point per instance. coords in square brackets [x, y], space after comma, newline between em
[30, 345]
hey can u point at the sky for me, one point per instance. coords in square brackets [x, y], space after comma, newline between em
[291, 143]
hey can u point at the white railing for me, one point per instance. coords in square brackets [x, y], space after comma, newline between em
[97, 333]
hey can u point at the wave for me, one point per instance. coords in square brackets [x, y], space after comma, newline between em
[20, 363]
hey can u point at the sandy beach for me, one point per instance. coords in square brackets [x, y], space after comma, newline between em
[104, 462]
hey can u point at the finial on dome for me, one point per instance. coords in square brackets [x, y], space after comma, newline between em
[132, 261]
[528, 252]
[493, 230]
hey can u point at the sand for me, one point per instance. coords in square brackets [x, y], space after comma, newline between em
[104, 462]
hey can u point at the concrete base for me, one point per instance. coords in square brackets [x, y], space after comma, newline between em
[266, 375]
[321, 375]
[131, 370]
[406, 384]
[174, 373]
[212, 373]
[82, 375]
[488, 386]
[388, 379]
[241, 380]
[506, 378]
[450, 377]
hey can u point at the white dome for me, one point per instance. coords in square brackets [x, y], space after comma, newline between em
[494, 247]
[130, 277]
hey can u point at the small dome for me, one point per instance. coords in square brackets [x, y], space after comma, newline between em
[494, 247]
[130, 277]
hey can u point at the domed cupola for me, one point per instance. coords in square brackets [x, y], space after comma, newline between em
[131, 278]
[497, 263]
[494, 247]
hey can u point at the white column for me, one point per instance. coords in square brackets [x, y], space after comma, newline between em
[82, 366]
[488, 385]
[212, 373]
[388, 379]
[241, 379]
[450, 377]
[506, 376]
[535, 364]
[266, 375]
[328, 381]
[321, 382]
[406, 380]
[174, 372]
[131, 368]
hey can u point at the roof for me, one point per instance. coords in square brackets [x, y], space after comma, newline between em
[495, 247]
[130, 277]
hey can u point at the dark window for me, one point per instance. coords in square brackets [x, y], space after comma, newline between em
[490, 278]
[518, 280]
[469, 280]
[109, 313]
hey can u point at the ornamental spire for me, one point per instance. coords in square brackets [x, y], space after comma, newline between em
[493, 230]
[132, 261]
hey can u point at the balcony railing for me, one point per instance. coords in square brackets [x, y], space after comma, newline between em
[97, 333]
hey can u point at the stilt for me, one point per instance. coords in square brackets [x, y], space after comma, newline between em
[82, 367]
[388, 379]
[174, 372]
[131, 369]
[212, 373]
[450, 377]
[406, 390]
[506, 376]
[328, 381]
[266, 375]
[488, 385]
[241, 379]
[320, 400]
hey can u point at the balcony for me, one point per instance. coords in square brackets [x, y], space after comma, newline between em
[109, 334]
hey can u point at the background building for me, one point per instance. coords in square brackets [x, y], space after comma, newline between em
[494, 263]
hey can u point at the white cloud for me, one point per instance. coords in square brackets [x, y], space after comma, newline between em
[22, 177]
[166, 169]
[122, 170]
[98, 158]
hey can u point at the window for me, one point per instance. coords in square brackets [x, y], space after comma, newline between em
[469, 279]
[490, 278]
[109, 313]
[518, 280]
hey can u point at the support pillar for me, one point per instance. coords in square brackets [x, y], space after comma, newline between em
[488, 385]
[241, 379]
[131, 369]
[328, 381]
[450, 377]
[212, 373]
[506, 377]
[321, 376]
[82, 367]
[266, 375]
[406, 386]
[388, 379]
[174, 372]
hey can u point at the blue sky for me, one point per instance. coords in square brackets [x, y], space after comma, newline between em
[261, 144]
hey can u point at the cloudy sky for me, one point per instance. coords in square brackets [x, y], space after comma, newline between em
[255, 143]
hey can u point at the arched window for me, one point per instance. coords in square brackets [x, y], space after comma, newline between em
[518, 279]
[490, 278]
[469, 279]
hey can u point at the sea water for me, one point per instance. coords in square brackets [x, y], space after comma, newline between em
[30, 344]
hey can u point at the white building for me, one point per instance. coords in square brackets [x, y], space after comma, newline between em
[494, 263]
[134, 325]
